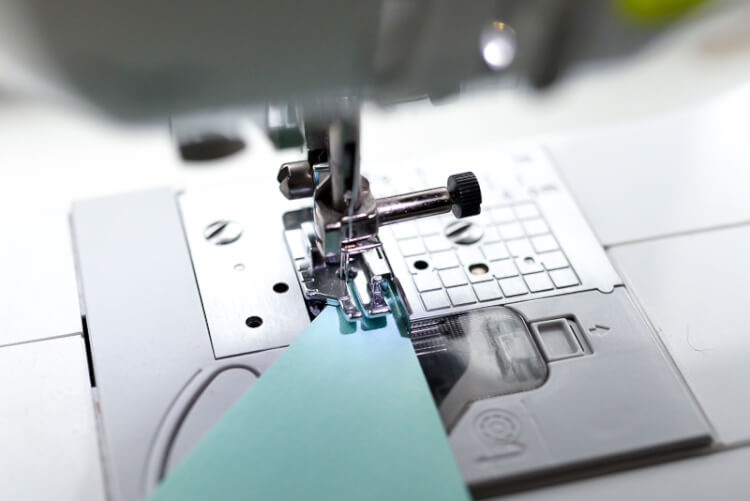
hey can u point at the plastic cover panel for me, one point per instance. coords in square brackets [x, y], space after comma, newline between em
[474, 355]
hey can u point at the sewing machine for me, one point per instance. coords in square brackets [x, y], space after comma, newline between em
[541, 362]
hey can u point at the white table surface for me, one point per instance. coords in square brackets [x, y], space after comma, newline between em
[48, 434]
[39, 298]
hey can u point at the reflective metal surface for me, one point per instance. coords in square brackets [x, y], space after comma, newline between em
[239, 280]
[365, 266]
[530, 240]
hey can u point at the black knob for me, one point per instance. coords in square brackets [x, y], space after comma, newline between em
[465, 193]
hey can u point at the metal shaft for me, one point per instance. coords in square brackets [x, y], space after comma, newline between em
[413, 205]
[344, 162]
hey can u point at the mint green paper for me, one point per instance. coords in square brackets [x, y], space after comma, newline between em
[336, 417]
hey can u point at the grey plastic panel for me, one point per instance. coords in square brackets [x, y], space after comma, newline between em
[151, 349]
[694, 289]
[139, 289]
[624, 399]
[721, 476]
[221, 390]
[474, 355]
[557, 339]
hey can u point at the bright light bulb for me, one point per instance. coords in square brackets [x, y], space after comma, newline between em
[498, 44]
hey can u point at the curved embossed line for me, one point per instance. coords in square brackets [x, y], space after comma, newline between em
[174, 419]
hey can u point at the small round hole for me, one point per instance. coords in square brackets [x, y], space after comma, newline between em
[254, 322]
[528, 260]
[352, 273]
[280, 287]
[421, 264]
[479, 269]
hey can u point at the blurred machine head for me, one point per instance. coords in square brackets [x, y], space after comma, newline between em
[141, 59]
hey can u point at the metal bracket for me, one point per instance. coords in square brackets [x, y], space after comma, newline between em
[356, 284]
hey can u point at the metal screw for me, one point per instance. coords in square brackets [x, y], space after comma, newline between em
[222, 232]
[464, 232]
